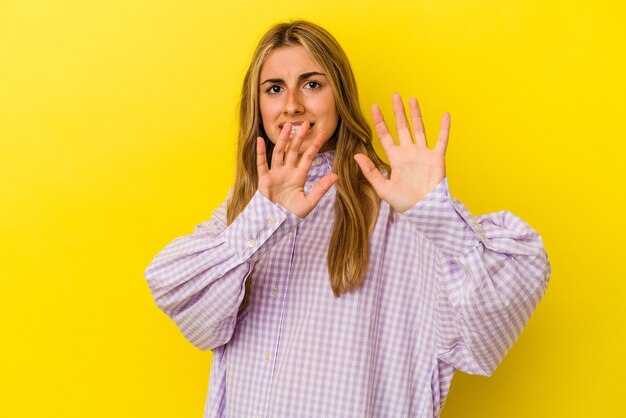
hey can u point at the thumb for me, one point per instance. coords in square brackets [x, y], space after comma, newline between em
[371, 173]
[321, 188]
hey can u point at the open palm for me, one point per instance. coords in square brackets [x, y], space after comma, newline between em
[284, 182]
[415, 169]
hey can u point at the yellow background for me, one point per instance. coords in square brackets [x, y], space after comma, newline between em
[117, 128]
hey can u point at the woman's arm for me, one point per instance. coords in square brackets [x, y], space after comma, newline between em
[198, 280]
[492, 270]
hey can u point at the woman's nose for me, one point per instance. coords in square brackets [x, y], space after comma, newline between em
[293, 104]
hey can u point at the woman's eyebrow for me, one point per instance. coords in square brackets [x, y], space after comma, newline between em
[300, 77]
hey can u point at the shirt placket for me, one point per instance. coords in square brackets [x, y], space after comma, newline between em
[314, 175]
[267, 357]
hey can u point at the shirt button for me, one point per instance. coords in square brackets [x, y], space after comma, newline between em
[266, 356]
[251, 243]
[275, 292]
[317, 161]
[272, 221]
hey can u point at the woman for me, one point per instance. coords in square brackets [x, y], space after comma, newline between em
[326, 287]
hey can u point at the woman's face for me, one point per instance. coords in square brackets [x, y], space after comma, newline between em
[293, 88]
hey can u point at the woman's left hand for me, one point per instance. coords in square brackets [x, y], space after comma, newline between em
[415, 169]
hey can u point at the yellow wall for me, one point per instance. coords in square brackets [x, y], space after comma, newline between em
[117, 127]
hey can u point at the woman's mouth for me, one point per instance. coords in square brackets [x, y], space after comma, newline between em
[296, 128]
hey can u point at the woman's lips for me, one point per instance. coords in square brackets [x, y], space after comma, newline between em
[297, 123]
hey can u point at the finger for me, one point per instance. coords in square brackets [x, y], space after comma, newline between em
[444, 133]
[382, 132]
[307, 158]
[402, 124]
[418, 124]
[261, 158]
[321, 188]
[292, 154]
[278, 154]
[371, 173]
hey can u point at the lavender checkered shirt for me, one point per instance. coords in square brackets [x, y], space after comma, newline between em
[444, 291]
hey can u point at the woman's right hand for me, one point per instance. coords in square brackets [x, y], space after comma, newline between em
[284, 182]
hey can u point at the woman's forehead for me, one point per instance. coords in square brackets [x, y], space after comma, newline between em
[288, 62]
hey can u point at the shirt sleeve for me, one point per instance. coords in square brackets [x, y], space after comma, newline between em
[198, 280]
[492, 271]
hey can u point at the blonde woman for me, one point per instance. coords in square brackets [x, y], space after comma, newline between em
[328, 283]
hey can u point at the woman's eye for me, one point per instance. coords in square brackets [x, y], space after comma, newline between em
[313, 85]
[273, 89]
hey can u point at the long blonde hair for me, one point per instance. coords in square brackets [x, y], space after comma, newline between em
[357, 204]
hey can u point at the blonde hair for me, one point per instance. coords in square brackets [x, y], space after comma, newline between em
[357, 204]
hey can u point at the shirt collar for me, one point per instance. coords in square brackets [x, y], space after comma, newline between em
[322, 165]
